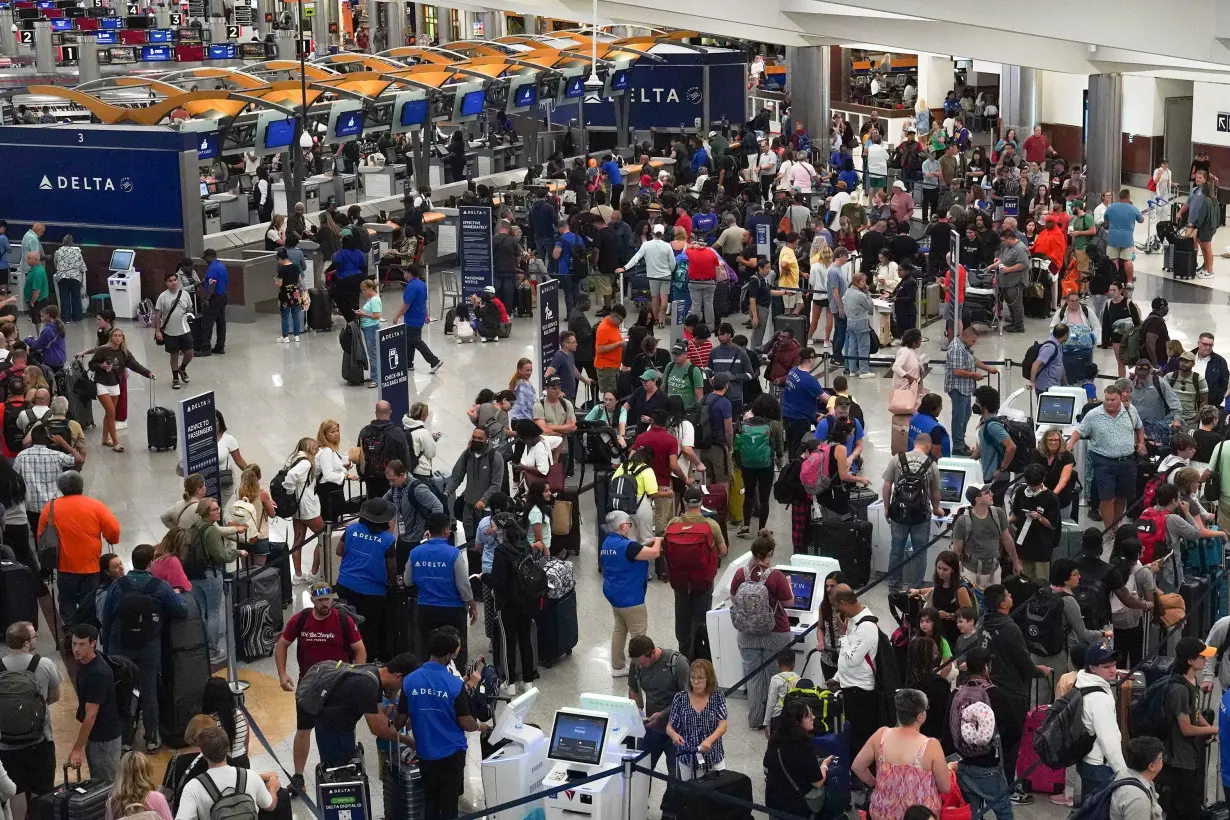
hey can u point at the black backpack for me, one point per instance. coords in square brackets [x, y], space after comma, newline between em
[1031, 356]
[701, 417]
[196, 561]
[788, 489]
[910, 502]
[1042, 622]
[1022, 435]
[138, 614]
[127, 676]
[623, 494]
[530, 583]
[285, 503]
[887, 673]
[1090, 594]
[1097, 805]
[374, 446]
[14, 438]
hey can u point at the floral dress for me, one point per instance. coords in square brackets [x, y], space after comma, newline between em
[901, 785]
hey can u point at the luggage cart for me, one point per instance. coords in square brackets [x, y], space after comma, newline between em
[981, 300]
[1153, 216]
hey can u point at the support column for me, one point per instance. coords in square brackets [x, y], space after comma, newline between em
[284, 42]
[531, 23]
[396, 26]
[1018, 95]
[44, 51]
[87, 57]
[373, 22]
[320, 26]
[935, 79]
[8, 39]
[217, 29]
[1103, 142]
[808, 71]
[162, 16]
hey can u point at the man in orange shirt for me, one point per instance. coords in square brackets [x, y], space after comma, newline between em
[81, 523]
[608, 348]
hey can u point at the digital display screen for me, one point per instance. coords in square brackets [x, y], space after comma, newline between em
[45, 4]
[157, 54]
[121, 260]
[619, 79]
[189, 52]
[348, 124]
[86, 23]
[136, 21]
[223, 51]
[106, 38]
[952, 486]
[472, 103]
[578, 738]
[252, 51]
[207, 148]
[414, 112]
[1056, 409]
[548, 87]
[527, 95]
[123, 55]
[576, 88]
[62, 24]
[442, 105]
[204, 189]
[111, 23]
[161, 35]
[130, 37]
[279, 133]
[803, 585]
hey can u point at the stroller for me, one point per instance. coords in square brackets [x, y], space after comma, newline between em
[1040, 289]
[980, 305]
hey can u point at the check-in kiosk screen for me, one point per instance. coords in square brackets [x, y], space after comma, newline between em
[1055, 409]
[952, 486]
[803, 585]
[578, 738]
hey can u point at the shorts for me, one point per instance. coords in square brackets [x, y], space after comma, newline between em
[32, 768]
[876, 182]
[1082, 261]
[303, 721]
[660, 287]
[601, 284]
[717, 464]
[258, 547]
[178, 344]
[1115, 477]
[108, 389]
[1125, 254]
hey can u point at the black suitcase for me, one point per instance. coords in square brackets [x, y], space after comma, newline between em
[557, 628]
[695, 804]
[402, 624]
[78, 800]
[255, 634]
[721, 300]
[572, 540]
[351, 372]
[342, 780]
[18, 594]
[795, 324]
[403, 789]
[279, 556]
[80, 391]
[320, 312]
[1194, 589]
[525, 300]
[1183, 258]
[185, 669]
[160, 433]
[261, 583]
[846, 539]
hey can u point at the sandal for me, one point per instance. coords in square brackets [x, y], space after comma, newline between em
[118, 448]
[106, 443]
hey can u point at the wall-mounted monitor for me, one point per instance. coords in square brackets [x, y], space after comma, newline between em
[161, 35]
[252, 51]
[522, 94]
[617, 79]
[345, 122]
[111, 23]
[207, 145]
[497, 95]
[222, 51]
[549, 87]
[157, 54]
[189, 52]
[468, 101]
[574, 84]
[61, 24]
[442, 103]
[86, 23]
[274, 133]
[411, 110]
[132, 37]
[137, 21]
[106, 38]
[123, 54]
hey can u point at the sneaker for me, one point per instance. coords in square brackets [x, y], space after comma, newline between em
[298, 580]
[283, 340]
[183, 375]
[744, 531]
[221, 351]
[1063, 800]
[152, 746]
[175, 382]
[1094, 514]
[1021, 798]
[1204, 274]
[121, 425]
[867, 375]
[621, 672]
[297, 785]
[435, 367]
[296, 338]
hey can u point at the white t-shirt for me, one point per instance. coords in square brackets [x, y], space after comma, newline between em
[37, 410]
[172, 313]
[766, 163]
[838, 202]
[226, 445]
[877, 160]
[196, 803]
[685, 433]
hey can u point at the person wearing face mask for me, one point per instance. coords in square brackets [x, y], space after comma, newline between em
[1156, 402]
[482, 468]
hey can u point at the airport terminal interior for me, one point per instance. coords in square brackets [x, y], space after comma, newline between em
[141, 129]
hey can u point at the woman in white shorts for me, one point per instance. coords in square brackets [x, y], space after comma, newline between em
[108, 365]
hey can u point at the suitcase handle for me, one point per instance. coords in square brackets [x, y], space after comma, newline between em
[68, 766]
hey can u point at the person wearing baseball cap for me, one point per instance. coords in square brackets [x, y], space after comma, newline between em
[645, 400]
[1155, 400]
[1154, 334]
[1096, 680]
[659, 259]
[682, 378]
[1181, 782]
[362, 578]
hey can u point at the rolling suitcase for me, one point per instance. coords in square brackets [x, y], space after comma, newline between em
[797, 325]
[255, 583]
[403, 789]
[846, 539]
[570, 540]
[279, 556]
[716, 505]
[185, 669]
[160, 433]
[694, 803]
[1041, 778]
[255, 634]
[80, 391]
[18, 594]
[77, 800]
[1183, 258]
[320, 312]
[1194, 591]
[525, 300]
[557, 628]
[737, 494]
[345, 785]
[837, 786]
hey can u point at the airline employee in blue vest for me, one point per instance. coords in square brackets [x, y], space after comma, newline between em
[927, 420]
[368, 553]
[441, 573]
[437, 702]
[625, 574]
[361, 695]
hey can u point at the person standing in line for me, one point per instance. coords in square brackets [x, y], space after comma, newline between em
[369, 314]
[172, 329]
[413, 312]
[289, 278]
[442, 574]
[69, 277]
[99, 738]
[362, 575]
[505, 253]
[1181, 782]
[960, 379]
[608, 348]
[214, 290]
[1012, 265]
[692, 533]
[1113, 445]
[31, 765]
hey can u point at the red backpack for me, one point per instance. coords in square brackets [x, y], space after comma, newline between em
[691, 555]
[1152, 484]
[1151, 530]
[782, 358]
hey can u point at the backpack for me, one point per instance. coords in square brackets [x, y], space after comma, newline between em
[691, 557]
[138, 614]
[374, 460]
[14, 438]
[966, 695]
[702, 421]
[752, 609]
[530, 582]
[1129, 343]
[623, 495]
[1097, 805]
[25, 712]
[1151, 530]
[755, 449]
[1151, 488]
[910, 503]
[1148, 716]
[322, 678]
[126, 677]
[1062, 739]
[1022, 435]
[815, 472]
[887, 673]
[1041, 621]
[235, 804]
[789, 489]
[820, 701]
[286, 504]
[1031, 356]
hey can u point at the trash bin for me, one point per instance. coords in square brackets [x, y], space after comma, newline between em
[311, 262]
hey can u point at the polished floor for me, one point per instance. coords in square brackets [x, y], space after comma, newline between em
[273, 394]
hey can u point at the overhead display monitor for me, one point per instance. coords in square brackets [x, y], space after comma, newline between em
[189, 52]
[578, 737]
[61, 24]
[111, 23]
[136, 21]
[123, 54]
[522, 94]
[132, 37]
[106, 38]
[252, 51]
[207, 145]
[411, 110]
[442, 103]
[497, 95]
[274, 133]
[161, 35]
[548, 87]
[345, 121]
[86, 23]
[617, 79]
[574, 88]
[468, 102]
[222, 51]
[157, 54]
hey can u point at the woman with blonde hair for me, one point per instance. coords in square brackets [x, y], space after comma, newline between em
[169, 556]
[523, 389]
[1060, 465]
[135, 792]
[421, 440]
[821, 261]
[300, 482]
[334, 470]
[182, 513]
[253, 506]
[108, 365]
[187, 762]
[275, 237]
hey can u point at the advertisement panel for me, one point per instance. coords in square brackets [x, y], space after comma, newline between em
[548, 324]
[474, 248]
[198, 441]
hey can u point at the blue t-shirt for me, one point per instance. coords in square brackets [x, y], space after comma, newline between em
[414, 297]
[991, 437]
[613, 172]
[800, 396]
[1223, 725]
[706, 225]
[822, 432]
[568, 243]
[363, 567]
[4, 251]
[216, 273]
[850, 178]
[719, 411]
[922, 423]
[1121, 219]
[434, 698]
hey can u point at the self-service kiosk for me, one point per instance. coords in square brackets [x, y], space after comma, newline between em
[587, 741]
[806, 574]
[517, 767]
[124, 283]
[1058, 407]
[956, 476]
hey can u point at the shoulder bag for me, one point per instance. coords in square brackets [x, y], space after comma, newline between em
[49, 543]
[814, 797]
[159, 338]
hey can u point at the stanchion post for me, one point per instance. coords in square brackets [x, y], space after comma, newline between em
[323, 542]
[237, 686]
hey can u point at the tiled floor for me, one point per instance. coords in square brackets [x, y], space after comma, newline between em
[273, 394]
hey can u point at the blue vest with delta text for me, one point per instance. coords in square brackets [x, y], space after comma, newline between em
[431, 691]
[922, 423]
[363, 568]
[433, 573]
[623, 581]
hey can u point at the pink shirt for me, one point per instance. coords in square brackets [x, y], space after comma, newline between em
[154, 801]
[169, 569]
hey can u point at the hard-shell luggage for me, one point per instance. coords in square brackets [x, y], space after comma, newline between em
[279, 557]
[18, 594]
[557, 628]
[525, 300]
[837, 786]
[75, 800]
[1041, 778]
[320, 311]
[255, 634]
[1194, 589]
[721, 300]
[261, 583]
[403, 789]
[1183, 258]
[185, 669]
[846, 539]
[348, 782]
[695, 804]
[797, 325]
[736, 498]
[160, 432]
[571, 540]
[716, 505]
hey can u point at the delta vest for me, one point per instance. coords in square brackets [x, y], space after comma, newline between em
[623, 581]
[921, 423]
[362, 568]
[430, 693]
[433, 573]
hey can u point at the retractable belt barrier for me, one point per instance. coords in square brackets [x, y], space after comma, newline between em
[554, 790]
[717, 796]
[302, 795]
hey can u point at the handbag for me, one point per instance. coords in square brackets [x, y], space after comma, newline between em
[49, 543]
[954, 806]
[903, 400]
[814, 797]
[1188, 232]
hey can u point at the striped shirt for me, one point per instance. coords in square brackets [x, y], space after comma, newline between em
[694, 726]
[1111, 436]
[960, 357]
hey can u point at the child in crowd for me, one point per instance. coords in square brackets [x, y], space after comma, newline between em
[840, 388]
[970, 636]
[1091, 389]
[1174, 349]
[928, 623]
[779, 685]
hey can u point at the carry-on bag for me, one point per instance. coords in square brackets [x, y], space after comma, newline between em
[75, 800]
[185, 669]
[160, 431]
[846, 539]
